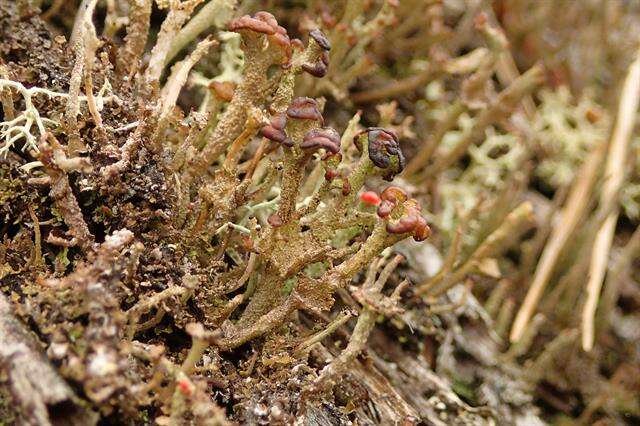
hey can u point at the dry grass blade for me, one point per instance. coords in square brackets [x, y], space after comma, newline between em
[613, 179]
[614, 279]
[571, 215]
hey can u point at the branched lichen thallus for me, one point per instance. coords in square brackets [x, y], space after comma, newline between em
[326, 235]
[271, 62]
[329, 229]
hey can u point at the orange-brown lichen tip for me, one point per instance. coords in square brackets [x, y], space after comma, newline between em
[304, 109]
[223, 89]
[325, 137]
[383, 146]
[247, 22]
[391, 197]
[394, 194]
[321, 39]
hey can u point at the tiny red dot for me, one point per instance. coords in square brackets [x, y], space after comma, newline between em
[370, 198]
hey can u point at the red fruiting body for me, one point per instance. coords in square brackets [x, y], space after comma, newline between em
[279, 121]
[324, 137]
[304, 109]
[185, 387]
[275, 220]
[275, 135]
[370, 198]
[411, 221]
[321, 39]
[390, 198]
[275, 130]
[281, 37]
[325, 58]
[224, 90]
[394, 194]
[385, 208]
[346, 187]
[383, 145]
[330, 174]
[268, 18]
[404, 225]
[320, 67]
[422, 230]
[264, 23]
[247, 22]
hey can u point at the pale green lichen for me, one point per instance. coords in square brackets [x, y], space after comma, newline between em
[566, 130]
